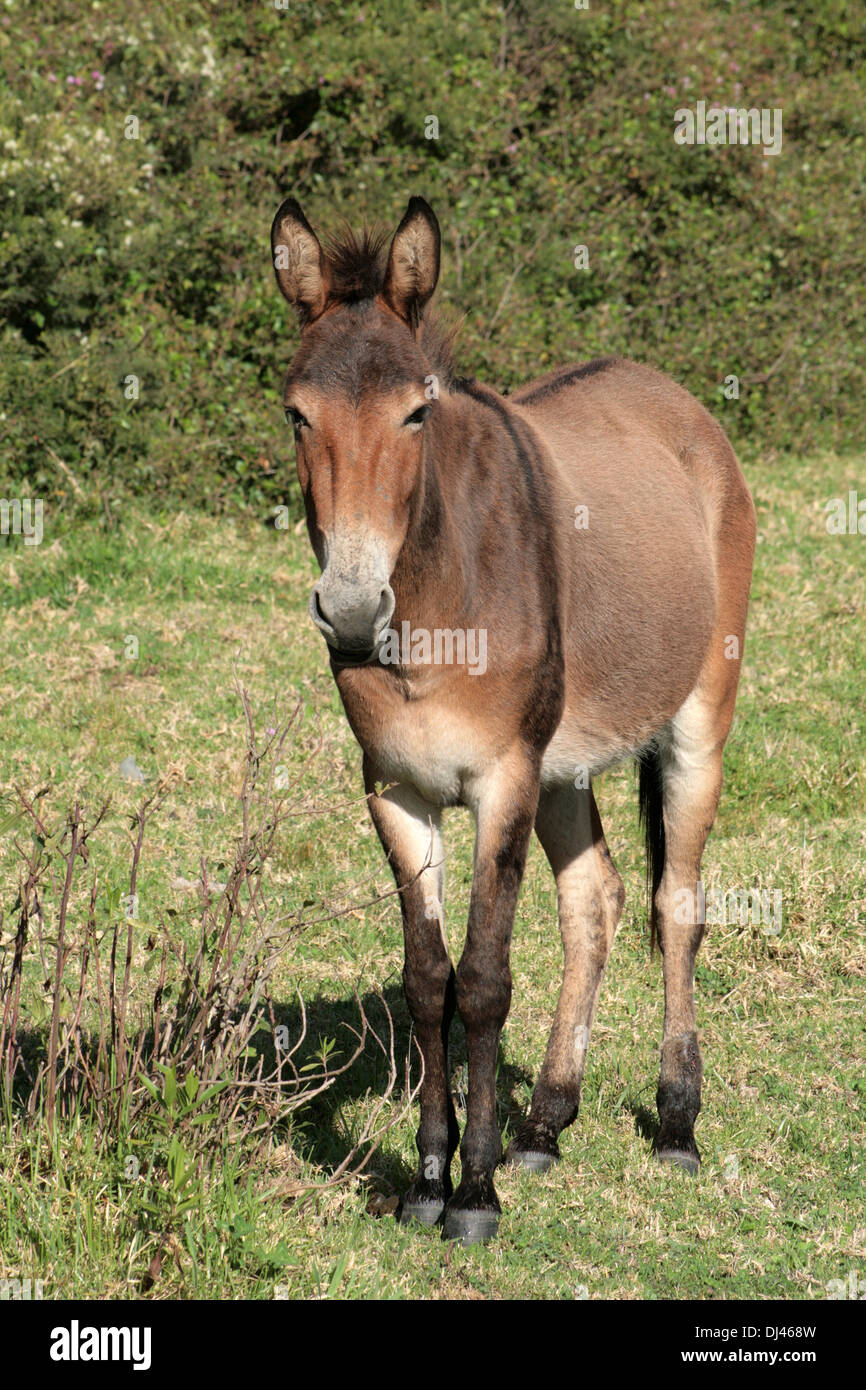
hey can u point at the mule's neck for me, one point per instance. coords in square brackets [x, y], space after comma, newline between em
[482, 518]
[432, 546]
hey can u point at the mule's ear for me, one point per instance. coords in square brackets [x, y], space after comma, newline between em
[299, 261]
[413, 261]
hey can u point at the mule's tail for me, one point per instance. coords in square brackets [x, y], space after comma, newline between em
[650, 803]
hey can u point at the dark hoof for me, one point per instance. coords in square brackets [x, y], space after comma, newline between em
[690, 1163]
[470, 1227]
[428, 1213]
[532, 1159]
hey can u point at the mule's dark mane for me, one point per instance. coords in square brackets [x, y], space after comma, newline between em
[437, 341]
[531, 395]
[357, 262]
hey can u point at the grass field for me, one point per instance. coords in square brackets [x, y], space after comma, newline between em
[778, 1209]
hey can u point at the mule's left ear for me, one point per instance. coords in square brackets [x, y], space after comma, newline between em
[413, 262]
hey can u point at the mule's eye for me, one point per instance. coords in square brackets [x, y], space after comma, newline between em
[418, 416]
[295, 418]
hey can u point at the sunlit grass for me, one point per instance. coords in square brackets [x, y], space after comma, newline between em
[777, 1210]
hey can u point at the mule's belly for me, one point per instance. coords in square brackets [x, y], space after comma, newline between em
[575, 753]
[639, 594]
[632, 696]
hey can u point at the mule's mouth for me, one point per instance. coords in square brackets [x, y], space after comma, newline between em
[342, 657]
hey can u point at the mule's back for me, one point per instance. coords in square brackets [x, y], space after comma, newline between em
[611, 409]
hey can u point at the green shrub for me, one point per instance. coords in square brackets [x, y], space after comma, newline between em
[148, 257]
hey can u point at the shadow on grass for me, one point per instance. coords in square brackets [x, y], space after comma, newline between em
[325, 1130]
[646, 1122]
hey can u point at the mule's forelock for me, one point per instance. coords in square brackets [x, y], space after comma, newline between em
[357, 264]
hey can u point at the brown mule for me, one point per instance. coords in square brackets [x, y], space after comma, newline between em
[516, 593]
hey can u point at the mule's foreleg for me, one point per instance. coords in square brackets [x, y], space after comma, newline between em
[408, 827]
[590, 898]
[504, 809]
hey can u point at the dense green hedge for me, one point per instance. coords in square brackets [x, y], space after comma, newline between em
[148, 257]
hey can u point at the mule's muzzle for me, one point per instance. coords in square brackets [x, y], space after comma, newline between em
[352, 623]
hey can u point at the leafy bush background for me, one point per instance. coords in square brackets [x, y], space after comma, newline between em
[150, 256]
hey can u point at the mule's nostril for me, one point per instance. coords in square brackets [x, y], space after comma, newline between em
[385, 609]
[317, 611]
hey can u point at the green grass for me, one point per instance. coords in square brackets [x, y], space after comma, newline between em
[777, 1210]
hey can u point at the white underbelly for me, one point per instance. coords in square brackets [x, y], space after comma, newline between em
[574, 755]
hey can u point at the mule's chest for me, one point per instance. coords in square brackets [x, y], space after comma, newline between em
[436, 743]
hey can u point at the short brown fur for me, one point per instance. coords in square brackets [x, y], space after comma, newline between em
[596, 528]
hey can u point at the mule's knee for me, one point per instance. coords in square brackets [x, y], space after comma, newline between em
[483, 993]
[429, 990]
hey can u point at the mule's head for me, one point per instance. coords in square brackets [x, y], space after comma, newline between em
[357, 393]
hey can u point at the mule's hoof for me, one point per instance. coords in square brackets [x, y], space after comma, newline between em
[428, 1213]
[532, 1159]
[470, 1227]
[690, 1163]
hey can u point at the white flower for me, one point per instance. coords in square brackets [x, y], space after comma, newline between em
[210, 68]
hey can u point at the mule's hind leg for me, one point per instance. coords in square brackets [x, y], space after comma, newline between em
[686, 771]
[590, 898]
[408, 828]
[690, 764]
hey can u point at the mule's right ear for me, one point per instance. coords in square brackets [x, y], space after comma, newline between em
[299, 262]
